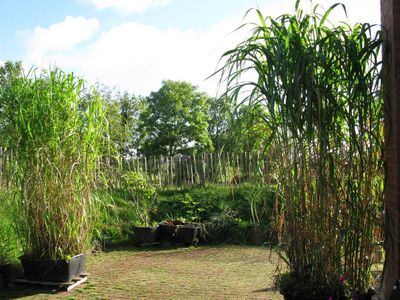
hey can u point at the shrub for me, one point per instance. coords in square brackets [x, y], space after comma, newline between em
[213, 199]
[228, 210]
[116, 215]
[227, 228]
[142, 194]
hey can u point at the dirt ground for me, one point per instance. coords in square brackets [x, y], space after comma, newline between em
[221, 272]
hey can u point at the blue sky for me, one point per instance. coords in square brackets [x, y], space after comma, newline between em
[135, 44]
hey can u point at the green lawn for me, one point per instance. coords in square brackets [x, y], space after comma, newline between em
[212, 272]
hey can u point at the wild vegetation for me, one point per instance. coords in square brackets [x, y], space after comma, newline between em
[229, 212]
[296, 152]
[48, 168]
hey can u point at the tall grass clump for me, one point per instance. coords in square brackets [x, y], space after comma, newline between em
[9, 246]
[320, 86]
[55, 137]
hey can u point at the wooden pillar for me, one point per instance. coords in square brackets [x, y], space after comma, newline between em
[390, 14]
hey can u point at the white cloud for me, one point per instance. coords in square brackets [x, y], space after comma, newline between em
[138, 57]
[59, 37]
[128, 6]
[361, 11]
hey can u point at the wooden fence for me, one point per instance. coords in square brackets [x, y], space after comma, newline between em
[181, 170]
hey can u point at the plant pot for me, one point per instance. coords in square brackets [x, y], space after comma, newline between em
[292, 296]
[144, 235]
[257, 235]
[9, 272]
[1, 282]
[59, 270]
[167, 232]
[187, 235]
[366, 296]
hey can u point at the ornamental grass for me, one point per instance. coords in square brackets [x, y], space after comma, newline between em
[320, 86]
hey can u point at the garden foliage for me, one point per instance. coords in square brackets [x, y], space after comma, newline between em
[320, 86]
[55, 136]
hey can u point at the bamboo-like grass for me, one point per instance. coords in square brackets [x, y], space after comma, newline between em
[55, 136]
[320, 85]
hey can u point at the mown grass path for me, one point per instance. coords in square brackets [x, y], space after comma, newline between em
[221, 272]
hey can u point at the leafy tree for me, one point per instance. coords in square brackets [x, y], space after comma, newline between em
[9, 71]
[174, 120]
[249, 130]
[129, 111]
[239, 129]
[122, 110]
[220, 122]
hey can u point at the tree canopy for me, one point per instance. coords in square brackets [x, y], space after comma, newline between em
[174, 120]
[177, 118]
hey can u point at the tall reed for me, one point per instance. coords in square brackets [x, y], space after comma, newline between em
[320, 85]
[55, 136]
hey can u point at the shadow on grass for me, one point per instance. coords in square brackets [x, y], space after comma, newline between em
[269, 289]
[24, 290]
[147, 248]
[129, 246]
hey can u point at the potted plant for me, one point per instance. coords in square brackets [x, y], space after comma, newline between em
[55, 135]
[319, 86]
[298, 287]
[143, 197]
[188, 234]
[167, 230]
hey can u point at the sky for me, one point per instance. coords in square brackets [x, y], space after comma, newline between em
[133, 45]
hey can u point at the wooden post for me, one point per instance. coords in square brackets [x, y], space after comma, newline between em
[192, 171]
[160, 170]
[145, 169]
[155, 171]
[390, 14]
[211, 168]
[171, 172]
[238, 171]
[195, 169]
[204, 167]
[1, 166]
[224, 167]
